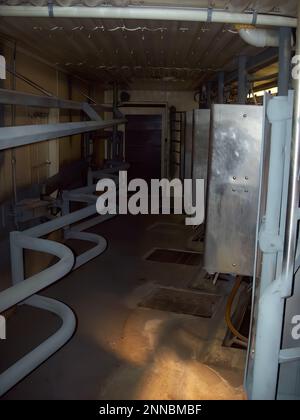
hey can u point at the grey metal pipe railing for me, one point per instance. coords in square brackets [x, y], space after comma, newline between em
[32, 360]
[24, 291]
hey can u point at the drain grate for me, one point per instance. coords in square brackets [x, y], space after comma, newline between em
[182, 302]
[175, 257]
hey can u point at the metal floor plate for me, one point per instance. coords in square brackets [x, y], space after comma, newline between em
[182, 302]
[175, 257]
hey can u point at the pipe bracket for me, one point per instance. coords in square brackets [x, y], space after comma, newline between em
[50, 8]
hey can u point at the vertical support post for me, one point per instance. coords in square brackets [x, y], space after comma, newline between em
[285, 52]
[270, 304]
[242, 79]
[2, 113]
[221, 87]
[115, 128]
[65, 208]
[16, 258]
[13, 151]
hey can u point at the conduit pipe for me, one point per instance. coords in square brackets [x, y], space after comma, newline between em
[150, 13]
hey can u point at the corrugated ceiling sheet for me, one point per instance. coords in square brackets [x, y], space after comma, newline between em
[180, 53]
[263, 6]
[177, 54]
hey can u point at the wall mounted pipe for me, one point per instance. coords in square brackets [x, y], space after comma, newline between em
[150, 13]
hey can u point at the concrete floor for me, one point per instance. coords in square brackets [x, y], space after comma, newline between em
[120, 350]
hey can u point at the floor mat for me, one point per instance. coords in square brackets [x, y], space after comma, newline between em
[175, 257]
[182, 302]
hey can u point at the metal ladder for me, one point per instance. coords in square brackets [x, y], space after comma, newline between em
[177, 124]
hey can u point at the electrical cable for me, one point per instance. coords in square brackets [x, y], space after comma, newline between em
[230, 301]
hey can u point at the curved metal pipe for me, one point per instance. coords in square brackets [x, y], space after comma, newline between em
[22, 290]
[32, 360]
[91, 253]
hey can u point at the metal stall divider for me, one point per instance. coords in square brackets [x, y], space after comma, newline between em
[233, 189]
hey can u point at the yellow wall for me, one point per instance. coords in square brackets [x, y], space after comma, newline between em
[34, 163]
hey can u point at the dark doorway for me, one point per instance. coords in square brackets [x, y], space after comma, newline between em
[143, 146]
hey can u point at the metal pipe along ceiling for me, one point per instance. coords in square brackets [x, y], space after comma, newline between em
[150, 13]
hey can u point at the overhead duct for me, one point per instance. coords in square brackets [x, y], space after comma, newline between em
[150, 13]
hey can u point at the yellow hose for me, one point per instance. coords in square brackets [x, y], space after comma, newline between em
[230, 301]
